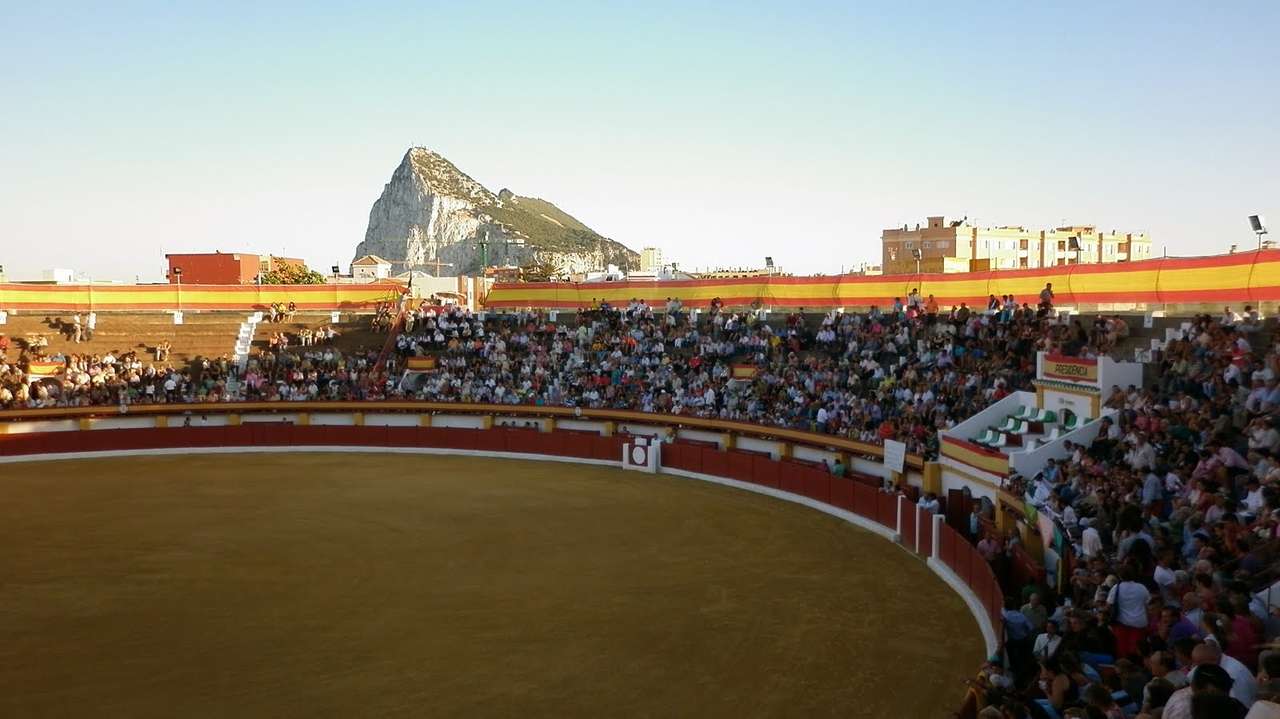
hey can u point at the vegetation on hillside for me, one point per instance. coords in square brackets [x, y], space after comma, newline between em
[542, 270]
[547, 227]
[291, 274]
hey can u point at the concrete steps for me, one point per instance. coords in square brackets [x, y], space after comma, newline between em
[354, 334]
[200, 335]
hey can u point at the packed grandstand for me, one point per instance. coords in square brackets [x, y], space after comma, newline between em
[1171, 514]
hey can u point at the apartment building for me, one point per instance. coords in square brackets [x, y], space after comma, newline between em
[957, 246]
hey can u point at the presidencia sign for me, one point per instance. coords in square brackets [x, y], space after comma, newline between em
[1070, 369]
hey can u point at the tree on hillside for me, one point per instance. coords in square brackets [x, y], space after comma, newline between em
[541, 270]
[290, 274]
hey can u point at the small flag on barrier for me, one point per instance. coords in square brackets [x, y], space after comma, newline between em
[745, 371]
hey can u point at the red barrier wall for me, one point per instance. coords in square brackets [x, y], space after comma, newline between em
[908, 528]
[924, 520]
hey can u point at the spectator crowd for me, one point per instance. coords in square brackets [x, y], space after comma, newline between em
[1158, 605]
[1169, 518]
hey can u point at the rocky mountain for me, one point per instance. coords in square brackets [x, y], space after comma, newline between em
[431, 211]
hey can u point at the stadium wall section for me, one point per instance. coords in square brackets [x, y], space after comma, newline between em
[1242, 277]
[248, 298]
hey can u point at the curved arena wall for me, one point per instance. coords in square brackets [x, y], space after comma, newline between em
[859, 502]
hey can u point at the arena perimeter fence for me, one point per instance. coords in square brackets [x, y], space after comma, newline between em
[44, 435]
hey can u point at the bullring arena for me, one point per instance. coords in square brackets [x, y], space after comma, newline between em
[376, 584]
[214, 502]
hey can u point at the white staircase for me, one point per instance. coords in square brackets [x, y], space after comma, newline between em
[244, 340]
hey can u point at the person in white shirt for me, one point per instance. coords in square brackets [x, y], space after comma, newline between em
[1090, 543]
[929, 503]
[1142, 456]
[1046, 643]
[1129, 598]
[1262, 435]
[1243, 685]
[1253, 500]
[1164, 577]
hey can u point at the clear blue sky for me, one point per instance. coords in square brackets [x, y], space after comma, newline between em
[719, 132]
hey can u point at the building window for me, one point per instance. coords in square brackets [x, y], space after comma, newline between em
[909, 244]
[943, 244]
[927, 245]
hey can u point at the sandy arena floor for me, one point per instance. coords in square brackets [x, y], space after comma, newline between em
[395, 585]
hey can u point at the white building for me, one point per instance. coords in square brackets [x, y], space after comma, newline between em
[59, 275]
[370, 268]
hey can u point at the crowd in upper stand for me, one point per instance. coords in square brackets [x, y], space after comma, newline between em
[902, 373]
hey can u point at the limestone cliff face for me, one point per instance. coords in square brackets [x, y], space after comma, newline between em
[431, 210]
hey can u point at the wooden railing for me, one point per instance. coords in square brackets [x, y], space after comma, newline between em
[813, 439]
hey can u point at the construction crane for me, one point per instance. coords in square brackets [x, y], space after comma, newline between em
[484, 248]
[437, 264]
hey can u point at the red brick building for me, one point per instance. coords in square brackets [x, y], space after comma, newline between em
[223, 268]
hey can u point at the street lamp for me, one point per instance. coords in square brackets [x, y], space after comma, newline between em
[1073, 245]
[177, 273]
[1258, 224]
[918, 255]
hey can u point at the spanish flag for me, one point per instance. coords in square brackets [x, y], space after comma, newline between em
[745, 371]
[37, 369]
[421, 364]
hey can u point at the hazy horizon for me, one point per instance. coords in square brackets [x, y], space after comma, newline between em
[720, 133]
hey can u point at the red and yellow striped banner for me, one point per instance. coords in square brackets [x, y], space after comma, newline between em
[976, 456]
[38, 368]
[1240, 278]
[105, 298]
[421, 364]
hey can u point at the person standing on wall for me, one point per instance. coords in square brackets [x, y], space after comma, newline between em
[1046, 297]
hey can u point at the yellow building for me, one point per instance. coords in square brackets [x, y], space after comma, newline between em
[650, 259]
[957, 246]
